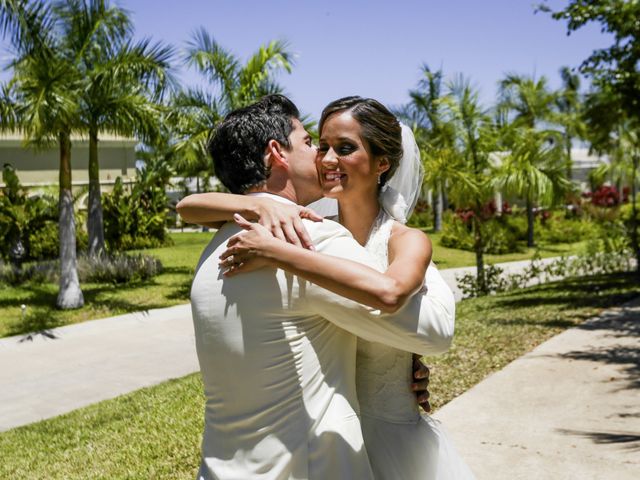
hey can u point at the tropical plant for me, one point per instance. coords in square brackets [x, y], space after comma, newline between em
[613, 70]
[45, 93]
[134, 215]
[122, 84]
[613, 131]
[24, 220]
[569, 113]
[472, 188]
[532, 170]
[429, 115]
[194, 112]
[528, 101]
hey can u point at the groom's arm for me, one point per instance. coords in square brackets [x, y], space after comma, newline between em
[424, 325]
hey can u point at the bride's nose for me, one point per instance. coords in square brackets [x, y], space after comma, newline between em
[329, 158]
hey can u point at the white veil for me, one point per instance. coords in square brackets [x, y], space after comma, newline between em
[399, 195]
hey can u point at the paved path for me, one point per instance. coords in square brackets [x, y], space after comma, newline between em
[92, 361]
[570, 409]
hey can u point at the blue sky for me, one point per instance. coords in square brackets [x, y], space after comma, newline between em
[375, 48]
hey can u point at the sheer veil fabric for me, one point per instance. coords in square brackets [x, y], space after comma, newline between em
[399, 195]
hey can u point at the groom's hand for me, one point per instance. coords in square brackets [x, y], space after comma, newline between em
[421, 382]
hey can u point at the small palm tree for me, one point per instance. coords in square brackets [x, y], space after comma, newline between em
[533, 170]
[194, 112]
[528, 100]
[472, 187]
[569, 106]
[429, 115]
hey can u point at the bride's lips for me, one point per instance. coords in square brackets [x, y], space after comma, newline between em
[331, 176]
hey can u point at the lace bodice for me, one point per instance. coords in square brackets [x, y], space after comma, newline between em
[384, 374]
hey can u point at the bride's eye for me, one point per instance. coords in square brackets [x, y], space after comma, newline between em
[345, 149]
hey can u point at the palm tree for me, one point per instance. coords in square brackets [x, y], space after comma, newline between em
[528, 100]
[429, 116]
[569, 105]
[528, 104]
[235, 85]
[533, 170]
[472, 186]
[45, 91]
[122, 81]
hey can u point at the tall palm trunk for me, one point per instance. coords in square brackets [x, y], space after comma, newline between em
[69, 295]
[478, 246]
[567, 147]
[530, 223]
[437, 208]
[95, 223]
[635, 243]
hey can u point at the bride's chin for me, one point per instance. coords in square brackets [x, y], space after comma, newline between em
[333, 192]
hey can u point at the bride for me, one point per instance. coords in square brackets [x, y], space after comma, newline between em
[370, 165]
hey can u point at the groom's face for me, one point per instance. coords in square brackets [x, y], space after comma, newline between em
[302, 164]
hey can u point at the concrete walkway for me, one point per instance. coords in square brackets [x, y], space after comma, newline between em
[92, 361]
[570, 409]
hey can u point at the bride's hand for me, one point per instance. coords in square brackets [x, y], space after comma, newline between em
[247, 251]
[284, 221]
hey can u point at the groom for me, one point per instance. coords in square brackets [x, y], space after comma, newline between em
[277, 353]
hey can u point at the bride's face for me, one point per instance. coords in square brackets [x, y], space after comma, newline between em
[345, 163]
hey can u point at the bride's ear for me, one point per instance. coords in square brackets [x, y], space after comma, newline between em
[383, 165]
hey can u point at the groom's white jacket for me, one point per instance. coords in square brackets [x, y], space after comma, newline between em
[277, 356]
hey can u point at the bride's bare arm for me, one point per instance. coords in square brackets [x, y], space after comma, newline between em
[282, 220]
[387, 291]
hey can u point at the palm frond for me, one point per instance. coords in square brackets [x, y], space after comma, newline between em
[218, 65]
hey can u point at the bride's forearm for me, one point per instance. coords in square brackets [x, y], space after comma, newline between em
[206, 208]
[346, 278]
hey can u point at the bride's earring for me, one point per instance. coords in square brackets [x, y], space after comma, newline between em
[379, 179]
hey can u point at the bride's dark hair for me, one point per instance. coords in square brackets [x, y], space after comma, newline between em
[380, 128]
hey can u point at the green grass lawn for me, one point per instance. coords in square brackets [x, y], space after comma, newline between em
[452, 258]
[171, 287]
[155, 432]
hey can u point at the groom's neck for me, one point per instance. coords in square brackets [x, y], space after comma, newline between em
[285, 191]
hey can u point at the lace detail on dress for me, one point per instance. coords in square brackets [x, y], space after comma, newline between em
[384, 374]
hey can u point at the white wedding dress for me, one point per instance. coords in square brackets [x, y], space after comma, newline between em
[401, 443]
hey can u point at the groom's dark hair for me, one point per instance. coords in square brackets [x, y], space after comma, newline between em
[237, 144]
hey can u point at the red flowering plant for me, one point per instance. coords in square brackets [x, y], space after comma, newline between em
[605, 196]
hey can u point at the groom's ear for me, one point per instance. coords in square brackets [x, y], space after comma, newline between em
[276, 155]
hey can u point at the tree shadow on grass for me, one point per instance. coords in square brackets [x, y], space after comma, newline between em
[600, 291]
[42, 314]
[629, 440]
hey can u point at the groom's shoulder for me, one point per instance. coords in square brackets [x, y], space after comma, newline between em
[325, 230]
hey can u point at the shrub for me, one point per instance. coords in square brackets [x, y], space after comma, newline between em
[135, 216]
[498, 235]
[560, 229]
[592, 261]
[116, 269]
[422, 216]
